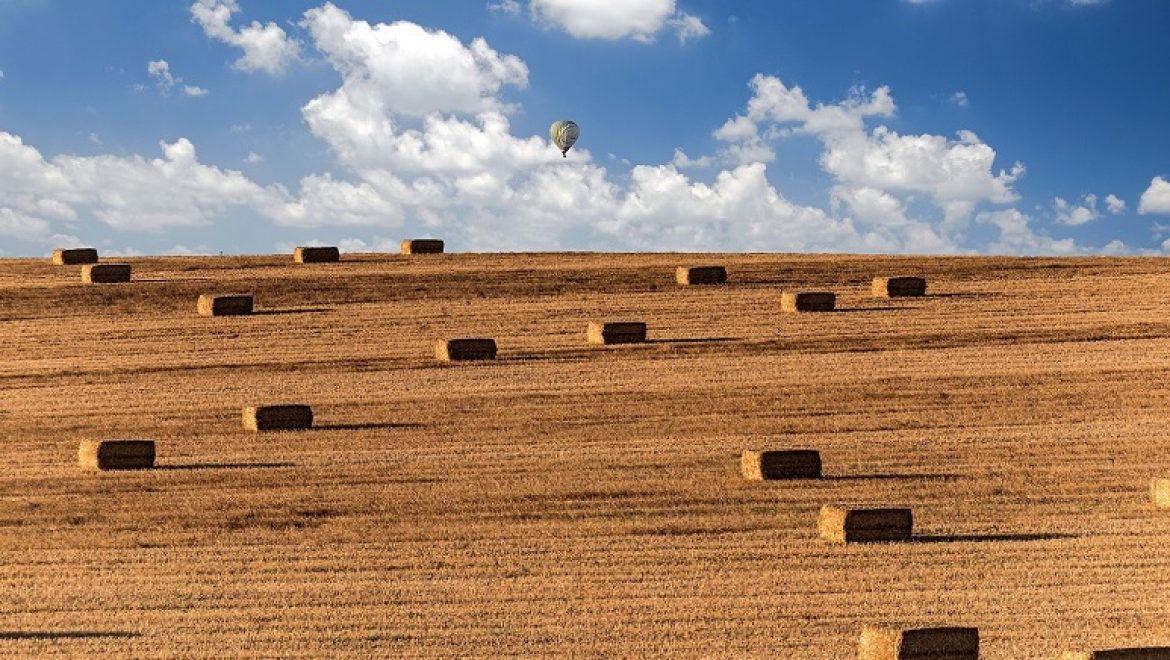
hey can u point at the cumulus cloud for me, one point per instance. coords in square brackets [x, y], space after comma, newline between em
[954, 174]
[125, 193]
[961, 99]
[1114, 204]
[267, 47]
[1016, 235]
[1156, 198]
[160, 70]
[604, 19]
[1073, 214]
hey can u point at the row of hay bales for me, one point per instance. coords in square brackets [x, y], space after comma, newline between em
[93, 272]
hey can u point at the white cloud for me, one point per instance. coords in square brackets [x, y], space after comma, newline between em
[402, 68]
[125, 193]
[954, 174]
[1016, 236]
[1073, 214]
[160, 70]
[266, 46]
[505, 7]
[640, 20]
[961, 99]
[1156, 198]
[1, 74]
[253, 158]
[1114, 204]
[682, 161]
[687, 27]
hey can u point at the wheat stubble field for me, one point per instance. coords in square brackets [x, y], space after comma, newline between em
[576, 500]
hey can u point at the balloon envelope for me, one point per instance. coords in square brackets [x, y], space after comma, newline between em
[564, 134]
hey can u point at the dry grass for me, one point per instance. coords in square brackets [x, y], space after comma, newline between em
[577, 502]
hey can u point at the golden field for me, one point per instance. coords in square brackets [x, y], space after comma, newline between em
[572, 500]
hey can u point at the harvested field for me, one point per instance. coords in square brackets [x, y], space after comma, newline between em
[583, 500]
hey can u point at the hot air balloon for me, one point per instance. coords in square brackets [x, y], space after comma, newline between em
[564, 134]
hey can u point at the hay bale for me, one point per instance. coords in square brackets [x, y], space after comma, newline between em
[290, 417]
[807, 301]
[780, 464]
[625, 332]
[233, 304]
[422, 246]
[105, 273]
[1134, 653]
[1160, 493]
[846, 525]
[454, 350]
[316, 255]
[75, 256]
[700, 275]
[899, 287]
[943, 643]
[116, 454]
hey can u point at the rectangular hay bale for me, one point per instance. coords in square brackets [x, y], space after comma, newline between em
[807, 301]
[700, 275]
[105, 273]
[846, 525]
[116, 454]
[422, 246]
[316, 255]
[287, 417]
[941, 643]
[899, 287]
[780, 464]
[232, 304]
[454, 350]
[1134, 653]
[1160, 493]
[624, 332]
[75, 256]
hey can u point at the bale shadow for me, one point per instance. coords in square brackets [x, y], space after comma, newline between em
[896, 476]
[67, 634]
[226, 466]
[302, 310]
[697, 340]
[849, 310]
[367, 426]
[990, 538]
[962, 295]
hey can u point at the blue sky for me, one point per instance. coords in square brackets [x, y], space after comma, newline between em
[251, 126]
